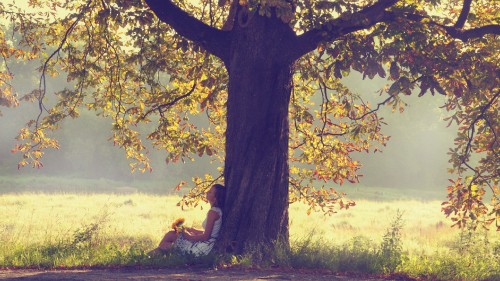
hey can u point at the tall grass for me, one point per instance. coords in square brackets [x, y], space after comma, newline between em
[410, 236]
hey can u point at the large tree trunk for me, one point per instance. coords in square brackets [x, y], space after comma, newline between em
[256, 165]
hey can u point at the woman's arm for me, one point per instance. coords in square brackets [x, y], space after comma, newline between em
[212, 216]
[193, 231]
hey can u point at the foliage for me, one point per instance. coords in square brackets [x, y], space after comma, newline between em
[123, 63]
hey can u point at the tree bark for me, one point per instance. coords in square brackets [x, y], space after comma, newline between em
[256, 165]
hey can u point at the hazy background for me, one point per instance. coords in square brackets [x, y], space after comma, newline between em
[415, 157]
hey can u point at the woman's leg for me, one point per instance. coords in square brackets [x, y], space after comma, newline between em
[168, 240]
[165, 243]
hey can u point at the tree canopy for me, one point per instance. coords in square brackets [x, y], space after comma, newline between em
[170, 66]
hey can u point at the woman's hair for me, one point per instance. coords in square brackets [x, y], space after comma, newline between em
[220, 195]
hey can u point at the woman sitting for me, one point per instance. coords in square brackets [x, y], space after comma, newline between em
[194, 241]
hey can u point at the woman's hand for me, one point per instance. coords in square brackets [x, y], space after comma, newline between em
[192, 231]
[203, 235]
[187, 236]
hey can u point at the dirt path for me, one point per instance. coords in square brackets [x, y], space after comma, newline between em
[184, 274]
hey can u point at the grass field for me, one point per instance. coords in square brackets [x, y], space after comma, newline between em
[52, 230]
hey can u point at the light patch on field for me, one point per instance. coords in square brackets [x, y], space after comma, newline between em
[425, 228]
[37, 218]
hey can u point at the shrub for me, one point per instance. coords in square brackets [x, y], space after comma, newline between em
[390, 254]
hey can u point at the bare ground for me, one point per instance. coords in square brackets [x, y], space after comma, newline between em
[182, 274]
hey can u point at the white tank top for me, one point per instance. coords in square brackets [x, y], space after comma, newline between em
[217, 223]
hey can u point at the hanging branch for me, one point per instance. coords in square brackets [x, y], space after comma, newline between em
[471, 129]
[373, 110]
[495, 137]
[42, 84]
[162, 107]
[324, 109]
[197, 191]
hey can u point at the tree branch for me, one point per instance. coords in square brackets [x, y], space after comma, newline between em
[478, 32]
[42, 86]
[376, 13]
[162, 107]
[213, 40]
[495, 137]
[373, 110]
[452, 31]
[331, 30]
[464, 14]
[472, 128]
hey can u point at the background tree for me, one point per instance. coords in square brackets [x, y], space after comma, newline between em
[269, 77]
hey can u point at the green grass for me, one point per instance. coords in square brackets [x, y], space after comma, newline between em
[410, 236]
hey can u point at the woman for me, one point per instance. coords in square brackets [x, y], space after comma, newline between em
[194, 241]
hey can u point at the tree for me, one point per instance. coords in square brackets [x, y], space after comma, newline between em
[256, 69]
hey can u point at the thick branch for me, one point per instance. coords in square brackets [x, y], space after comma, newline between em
[377, 13]
[329, 31]
[464, 14]
[213, 40]
[452, 31]
[478, 32]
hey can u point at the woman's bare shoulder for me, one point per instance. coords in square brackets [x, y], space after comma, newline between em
[215, 211]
